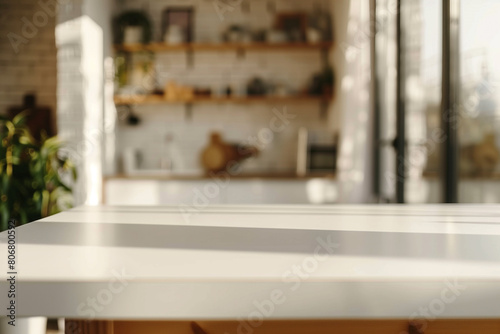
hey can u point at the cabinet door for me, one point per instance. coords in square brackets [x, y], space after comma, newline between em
[316, 191]
[192, 193]
[267, 192]
[132, 192]
[200, 193]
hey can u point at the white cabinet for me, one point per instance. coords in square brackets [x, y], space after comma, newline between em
[132, 192]
[207, 191]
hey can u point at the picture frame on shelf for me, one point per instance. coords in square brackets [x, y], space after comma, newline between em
[177, 25]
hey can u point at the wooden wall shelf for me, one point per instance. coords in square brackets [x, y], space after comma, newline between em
[158, 99]
[163, 47]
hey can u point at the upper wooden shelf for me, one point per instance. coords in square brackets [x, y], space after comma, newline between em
[163, 47]
[159, 99]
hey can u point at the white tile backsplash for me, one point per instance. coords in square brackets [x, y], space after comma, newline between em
[237, 123]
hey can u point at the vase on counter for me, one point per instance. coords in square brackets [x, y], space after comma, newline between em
[218, 154]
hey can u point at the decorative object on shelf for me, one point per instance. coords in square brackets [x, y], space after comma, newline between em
[237, 34]
[328, 80]
[259, 35]
[294, 24]
[132, 27]
[313, 35]
[132, 35]
[322, 83]
[121, 73]
[316, 86]
[281, 90]
[158, 92]
[174, 35]
[177, 25]
[32, 174]
[256, 87]
[276, 37]
[202, 91]
[320, 21]
[234, 34]
[176, 92]
[218, 155]
[143, 75]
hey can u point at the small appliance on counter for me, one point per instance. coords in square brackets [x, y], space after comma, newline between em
[317, 152]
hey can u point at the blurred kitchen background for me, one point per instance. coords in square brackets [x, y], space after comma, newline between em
[197, 102]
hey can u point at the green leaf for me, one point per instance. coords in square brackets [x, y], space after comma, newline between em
[20, 119]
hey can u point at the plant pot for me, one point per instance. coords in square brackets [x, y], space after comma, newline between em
[32, 325]
[133, 35]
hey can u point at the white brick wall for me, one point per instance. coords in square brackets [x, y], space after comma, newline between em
[33, 67]
[216, 70]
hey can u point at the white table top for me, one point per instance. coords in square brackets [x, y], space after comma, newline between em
[222, 262]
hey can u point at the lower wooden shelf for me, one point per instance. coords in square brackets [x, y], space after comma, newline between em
[159, 99]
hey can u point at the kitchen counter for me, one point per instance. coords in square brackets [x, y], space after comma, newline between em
[189, 190]
[222, 262]
[196, 177]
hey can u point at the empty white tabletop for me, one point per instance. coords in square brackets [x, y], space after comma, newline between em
[283, 262]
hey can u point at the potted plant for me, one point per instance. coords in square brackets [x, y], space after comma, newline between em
[31, 187]
[132, 27]
[31, 174]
